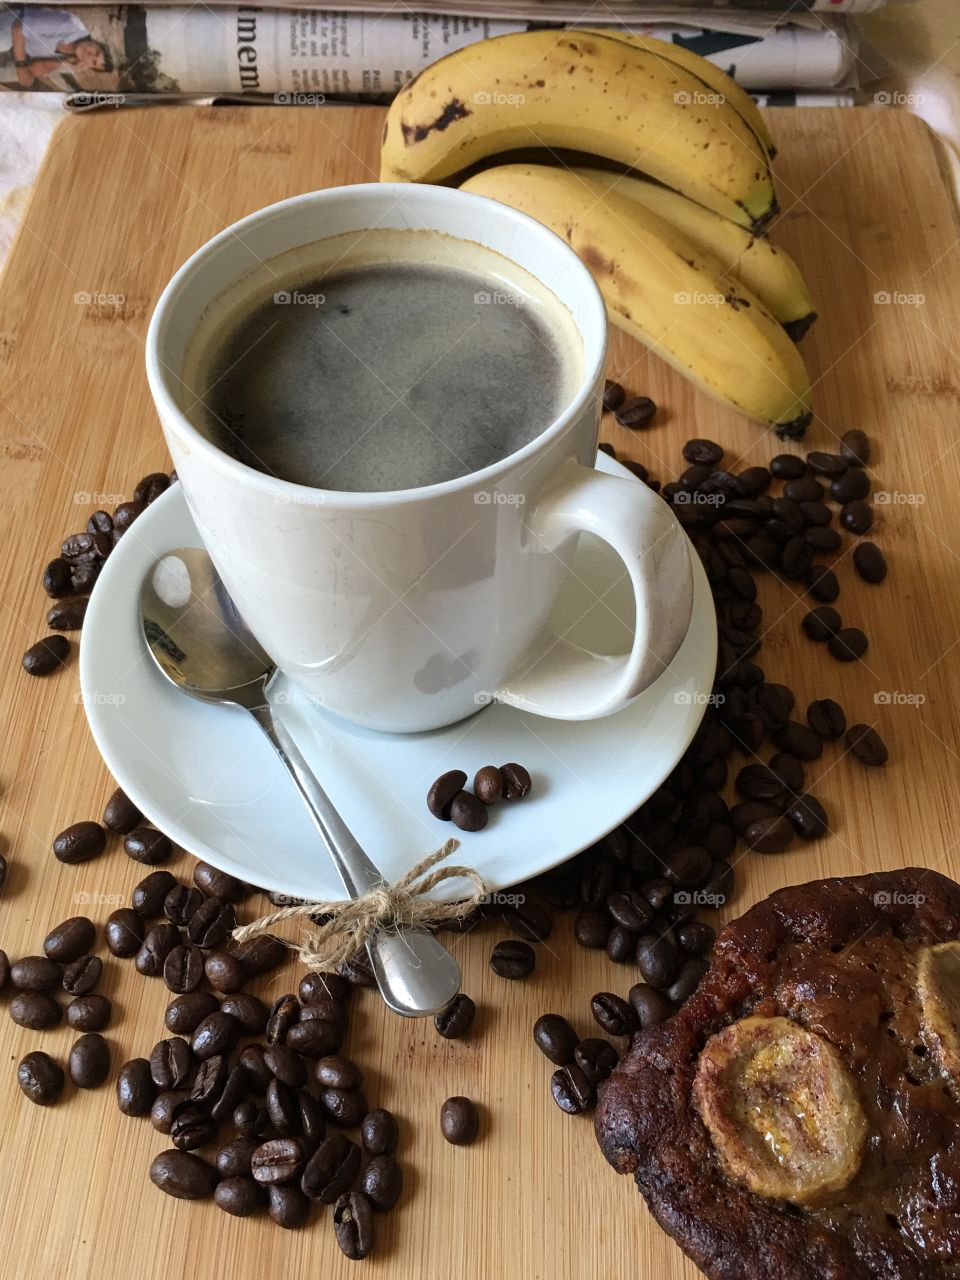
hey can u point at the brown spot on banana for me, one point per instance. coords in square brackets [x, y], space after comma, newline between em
[595, 260]
[454, 110]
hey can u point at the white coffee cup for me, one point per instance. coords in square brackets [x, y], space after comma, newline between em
[407, 610]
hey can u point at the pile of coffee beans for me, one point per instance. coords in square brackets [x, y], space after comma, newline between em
[637, 412]
[82, 841]
[449, 801]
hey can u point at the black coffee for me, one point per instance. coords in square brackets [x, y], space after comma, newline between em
[388, 374]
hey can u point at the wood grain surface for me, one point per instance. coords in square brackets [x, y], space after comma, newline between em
[123, 198]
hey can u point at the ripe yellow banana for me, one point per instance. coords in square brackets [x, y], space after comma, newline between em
[662, 288]
[586, 92]
[764, 269]
[716, 80]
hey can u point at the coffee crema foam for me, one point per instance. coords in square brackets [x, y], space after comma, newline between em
[381, 360]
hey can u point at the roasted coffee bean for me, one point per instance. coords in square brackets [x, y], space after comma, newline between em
[467, 812]
[315, 1037]
[85, 547]
[331, 1169]
[136, 1091]
[165, 1108]
[753, 481]
[613, 1014]
[513, 960]
[788, 466]
[687, 980]
[186, 1012]
[89, 1061]
[378, 1130]
[657, 892]
[488, 784]
[821, 623]
[613, 395]
[444, 791]
[83, 577]
[353, 1225]
[704, 453]
[56, 578]
[657, 959]
[719, 840]
[572, 1090]
[40, 1078]
[826, 718]
[251, 1120]
[455, 1020]
[312, 1120]
[82, 976]
[260, 954]
[150, 487]
[637, 412]
[319, 986]
[36, 973]
[287, 1066]
[796, 558]
[249, 1011]
[808, 817]
[80, 842]
[65, 615]
[224, 971]
[630, 909]
[157, 945]
[150, 894]
[382, 1183]
[789, 769]
[89, 1013]
[279, 1160]
[867, 746]
[696, 937]
[234, 1091]
[815, 514]
[826, 464]
[688, 866]
[334, 1072]
[799, 740]
[555, 1038]
[191, 1128]
[856, 516]
[591, 928]
[855, 448]
[596, 1058]
[143, 844]
[822, 584]
[357, 971]
[774, 702]
[35, 1010]
[719, 886]
[742, 815]
[516, 781]
[183, 969]
[325, 1009]
[183, 1175]
[529, 920]
[218, 884]
[287, 1206]
[171, 1063]
[125, 931]
[823, 541]
[283, 1108]
[209, 1082]
[804, 489]
[217, 1033]
[121, 815]
[124, 516]
[459, 1121]
[240, 1197]
[869, 562]
[769, 835]
[235, 1158]
[211, 924]
[596, 881]
[100, 522]
[70, 939]
[851, 486]
[848, 644]
[759, 782]
[620, 944]
[345, 1107]
[283, 1015]
[180, 903]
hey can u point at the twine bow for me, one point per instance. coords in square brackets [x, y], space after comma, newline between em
[390, 907]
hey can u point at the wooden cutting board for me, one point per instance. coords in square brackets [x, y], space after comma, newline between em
[122, 199]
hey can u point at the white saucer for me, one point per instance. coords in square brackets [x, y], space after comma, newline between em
[209, 779]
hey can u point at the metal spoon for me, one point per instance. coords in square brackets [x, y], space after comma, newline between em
[201, 644]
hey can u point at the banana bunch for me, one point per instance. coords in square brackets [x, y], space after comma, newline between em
[586, 91]
[672, 291]
[672, 225]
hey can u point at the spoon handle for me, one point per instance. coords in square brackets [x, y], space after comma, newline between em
[416, 974]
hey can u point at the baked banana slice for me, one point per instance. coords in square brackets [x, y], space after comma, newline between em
[781, 1108]
[938, 985]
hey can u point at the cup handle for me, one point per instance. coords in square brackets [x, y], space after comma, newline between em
[562, 680]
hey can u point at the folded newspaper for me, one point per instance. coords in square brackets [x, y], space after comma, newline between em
[319, 53]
